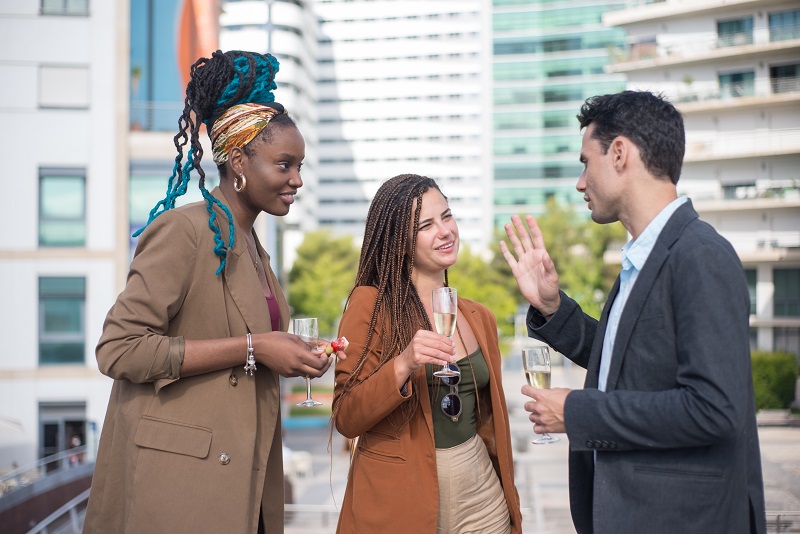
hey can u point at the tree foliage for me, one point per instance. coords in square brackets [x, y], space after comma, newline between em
[321, 278]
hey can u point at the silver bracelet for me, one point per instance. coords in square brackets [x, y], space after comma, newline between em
[250, 366]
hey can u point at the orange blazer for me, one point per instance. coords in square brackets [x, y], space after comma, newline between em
[392, 485]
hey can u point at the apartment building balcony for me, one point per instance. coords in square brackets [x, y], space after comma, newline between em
[662, 10]
[652, 54]
[714, 146]
[713, 95]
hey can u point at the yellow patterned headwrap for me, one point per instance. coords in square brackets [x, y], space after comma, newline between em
[238, 126]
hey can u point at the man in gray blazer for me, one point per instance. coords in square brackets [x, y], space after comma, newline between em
[663, 437]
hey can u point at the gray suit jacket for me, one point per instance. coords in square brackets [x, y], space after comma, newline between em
[675, 432]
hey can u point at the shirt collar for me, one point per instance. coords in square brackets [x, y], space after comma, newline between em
[635, 252]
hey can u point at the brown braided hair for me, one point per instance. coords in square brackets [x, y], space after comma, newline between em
[387, 261]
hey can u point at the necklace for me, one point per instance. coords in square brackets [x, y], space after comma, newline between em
[252, 258]
[472, 371]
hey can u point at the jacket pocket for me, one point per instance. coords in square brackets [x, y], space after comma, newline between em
[678, 472]
[381, 446]
[172, 436]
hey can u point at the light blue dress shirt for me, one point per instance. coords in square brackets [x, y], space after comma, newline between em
[634, 256]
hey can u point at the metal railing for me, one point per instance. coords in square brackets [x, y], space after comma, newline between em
[318, 518]
[66, 520]
[783, 521]
[28, 474]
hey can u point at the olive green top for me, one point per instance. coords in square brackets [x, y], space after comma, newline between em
[448, 433]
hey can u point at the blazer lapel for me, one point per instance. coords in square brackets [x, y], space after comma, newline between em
[240, 277]
[633, 308]
[593, 370]
[644, 284]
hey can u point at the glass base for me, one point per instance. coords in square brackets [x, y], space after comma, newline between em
[544, 439]
[445, 372]
[309, 402]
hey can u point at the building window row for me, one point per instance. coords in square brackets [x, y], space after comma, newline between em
[436, 118]
[65, 7]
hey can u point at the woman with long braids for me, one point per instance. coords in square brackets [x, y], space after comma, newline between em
[432, 457]
[197, 340]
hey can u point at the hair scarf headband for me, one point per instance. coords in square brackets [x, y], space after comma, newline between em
[239, 125]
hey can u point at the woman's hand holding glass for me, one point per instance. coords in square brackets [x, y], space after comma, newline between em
[288, 356]
[425, 347]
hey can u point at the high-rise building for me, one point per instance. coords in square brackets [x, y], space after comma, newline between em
[402, 87]
[287, 30]
[732, 68]
[549, 56]
[64, 114]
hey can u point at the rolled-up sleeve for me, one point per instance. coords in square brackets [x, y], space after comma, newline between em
[135, 344]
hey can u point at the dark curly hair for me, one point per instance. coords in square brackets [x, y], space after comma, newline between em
[652, 123]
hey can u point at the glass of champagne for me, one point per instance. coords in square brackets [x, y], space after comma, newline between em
[536, 363]
[307, 329]
[445, 313]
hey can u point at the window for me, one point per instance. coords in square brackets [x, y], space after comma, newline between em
[148, 185]
[787, 292]
[63, 87]
[65, 7]
[62, 426]
[784, 25]
[61, 321]
[737, 84]
[735, 32]
[784, 78]
[62, 208]
[750, 274]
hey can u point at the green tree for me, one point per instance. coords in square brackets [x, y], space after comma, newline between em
[321, 278]
[477, 279]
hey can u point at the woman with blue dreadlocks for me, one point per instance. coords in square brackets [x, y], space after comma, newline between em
[197, 340]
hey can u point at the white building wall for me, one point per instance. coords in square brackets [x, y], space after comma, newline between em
[402, 88]
[82, 133]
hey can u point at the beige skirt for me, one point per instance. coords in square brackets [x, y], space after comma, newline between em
[471, 499]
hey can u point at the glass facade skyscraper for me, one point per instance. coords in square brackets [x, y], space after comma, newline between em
[549, 56]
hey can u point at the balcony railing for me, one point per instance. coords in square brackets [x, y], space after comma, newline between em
[691, 47]
[702, 146]
[710, 91]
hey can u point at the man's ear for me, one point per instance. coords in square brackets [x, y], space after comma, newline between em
[620, 152]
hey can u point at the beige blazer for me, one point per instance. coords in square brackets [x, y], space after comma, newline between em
[196, 454]
[393, 485]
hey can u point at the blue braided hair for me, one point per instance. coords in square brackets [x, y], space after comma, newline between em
[216, 84]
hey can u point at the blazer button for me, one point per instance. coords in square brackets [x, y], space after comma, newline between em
[233, 380]
[224, 459]
[589, 444]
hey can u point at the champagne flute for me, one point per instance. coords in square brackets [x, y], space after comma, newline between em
[307, 329]
[445, 313]
[536, 363]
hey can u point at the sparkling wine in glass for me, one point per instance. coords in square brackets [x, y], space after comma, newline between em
[536, 363]
[307, 329]
[445, 313]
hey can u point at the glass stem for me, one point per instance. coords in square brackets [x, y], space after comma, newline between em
[308, 388]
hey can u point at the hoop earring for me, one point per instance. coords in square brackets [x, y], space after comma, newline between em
[239, 188]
